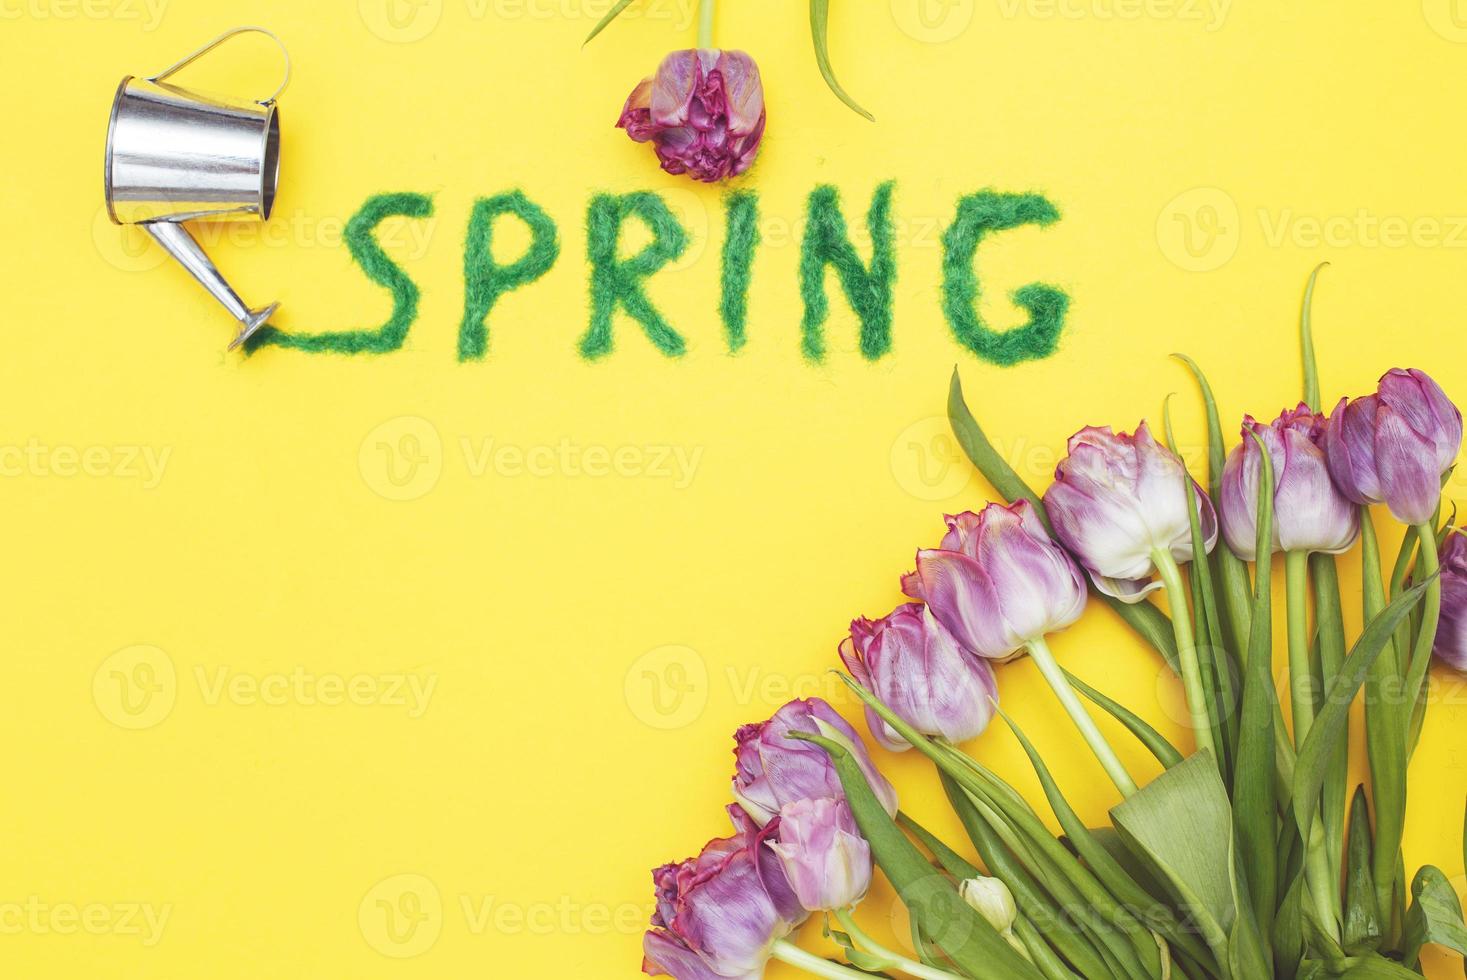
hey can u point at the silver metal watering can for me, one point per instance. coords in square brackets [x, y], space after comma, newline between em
[175, 155]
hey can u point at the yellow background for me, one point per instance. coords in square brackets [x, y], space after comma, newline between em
[1204, 159]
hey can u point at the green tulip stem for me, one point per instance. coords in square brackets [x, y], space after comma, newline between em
[1040, 651]
[787, 952]
[1431, 611]
[891, 959]
[1176, 596]
[1301, 679]
[705, 23]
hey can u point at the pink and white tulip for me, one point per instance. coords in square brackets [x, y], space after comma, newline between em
[920, 671]
[1395, 446]
[998, 581]
[825, 858]
[1310, 513]
[772, 771]
[719, 914]
[1116, 499]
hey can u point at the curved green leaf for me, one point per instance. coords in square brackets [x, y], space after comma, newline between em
[819, 18]
[610, 16]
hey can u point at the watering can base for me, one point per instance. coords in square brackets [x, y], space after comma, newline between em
[257, 319]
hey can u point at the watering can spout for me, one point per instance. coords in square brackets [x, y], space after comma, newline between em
[177, 241]
[175, 155]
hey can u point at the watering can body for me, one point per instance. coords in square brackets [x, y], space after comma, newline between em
[175, 155]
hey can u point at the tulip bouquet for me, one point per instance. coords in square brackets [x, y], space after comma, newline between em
[1248, 857]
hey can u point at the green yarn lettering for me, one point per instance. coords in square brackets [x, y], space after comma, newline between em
[361, 241]
[741, 235]
[978, 215]
[485, 280]
[867, 290]
[619, 281]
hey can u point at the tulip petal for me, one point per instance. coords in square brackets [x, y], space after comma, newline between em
[673, 86]
[1128, 590]
[962, 597]
[743, 89]
[663, 955]
[1409, 474]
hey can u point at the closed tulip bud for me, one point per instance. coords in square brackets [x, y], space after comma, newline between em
[990, 898]
[1451, 633]
[694, 935]
[1117, 499]
[703, 113]
[998, 581]
[918, 670]
[1310, 513]
[772, 771]
[1394, 447]
[825, 858]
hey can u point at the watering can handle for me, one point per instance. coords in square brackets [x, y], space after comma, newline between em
[190, 59]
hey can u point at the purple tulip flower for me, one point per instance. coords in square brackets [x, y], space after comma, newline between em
[772, 771]
[719, 914]
[1118, 498]
[1394, 447]
[998, 581]
[1310, 513]
[920, 671]
[703, 113]
[1451, 634]
[825, 858]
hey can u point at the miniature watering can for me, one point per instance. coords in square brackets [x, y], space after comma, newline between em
[174, 155]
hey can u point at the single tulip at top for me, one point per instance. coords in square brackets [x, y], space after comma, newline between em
[719, 914]
[772, 771]
[825, 858]
[1116, 499]
[998, 581]
[1394, 447]
[918, 670]
[1451, 634]
[1310, 513]
[703, 113]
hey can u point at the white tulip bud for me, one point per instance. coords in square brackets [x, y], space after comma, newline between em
[991, 899]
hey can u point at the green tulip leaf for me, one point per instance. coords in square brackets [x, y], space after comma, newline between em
[1435, 916]
[1362, 923]
[819, 19]
[1155, 742]
[1306, 341]
[604, 21]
